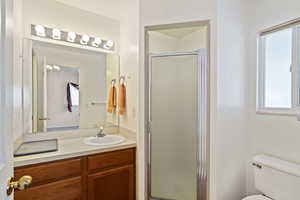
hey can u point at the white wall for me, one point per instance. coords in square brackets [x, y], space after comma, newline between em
[157, 12]
[111, 9]
[231, 134]
[274, 135]
[17, 70]
[229, 113]
[54, 14]
[129, 51]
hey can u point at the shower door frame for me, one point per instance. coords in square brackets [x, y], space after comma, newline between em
[202, 121]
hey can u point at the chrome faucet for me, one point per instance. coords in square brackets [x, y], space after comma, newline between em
[101, 132]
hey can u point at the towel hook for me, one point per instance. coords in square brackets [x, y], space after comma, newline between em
[113, 82]
[122, 78]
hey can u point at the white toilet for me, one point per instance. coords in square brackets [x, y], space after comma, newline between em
[275, 179]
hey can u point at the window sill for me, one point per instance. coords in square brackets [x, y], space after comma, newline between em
[281, 112]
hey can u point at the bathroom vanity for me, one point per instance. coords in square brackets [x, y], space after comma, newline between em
[67, 101]
[108, 176]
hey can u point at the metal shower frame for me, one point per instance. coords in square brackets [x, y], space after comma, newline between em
[202, 122]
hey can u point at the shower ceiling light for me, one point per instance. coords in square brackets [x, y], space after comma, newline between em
[84, 39]
[96, 43]
[56, 34]
[40, 30]
[71, 37]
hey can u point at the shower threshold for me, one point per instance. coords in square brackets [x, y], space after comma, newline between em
[157, 198]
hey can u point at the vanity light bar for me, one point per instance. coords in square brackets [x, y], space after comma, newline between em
[71, 37]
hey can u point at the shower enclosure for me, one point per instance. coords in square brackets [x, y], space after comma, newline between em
[177, 126]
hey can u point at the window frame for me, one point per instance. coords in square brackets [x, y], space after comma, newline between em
[295, 73]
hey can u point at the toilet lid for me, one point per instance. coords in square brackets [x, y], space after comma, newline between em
[257, 197]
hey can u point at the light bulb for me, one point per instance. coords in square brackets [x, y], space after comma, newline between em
[97, 41]
[56, 34]
[56, 67]
[40, 30]
[84, 39]
[49, 67]
[71, 37]
[109, 44]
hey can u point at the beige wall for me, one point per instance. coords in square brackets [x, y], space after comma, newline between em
[194, 40]
[160, 42]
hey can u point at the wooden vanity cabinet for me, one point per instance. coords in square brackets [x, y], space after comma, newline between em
[114, 184]
[105, 176]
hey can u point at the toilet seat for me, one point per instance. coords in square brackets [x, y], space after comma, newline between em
[256, 197]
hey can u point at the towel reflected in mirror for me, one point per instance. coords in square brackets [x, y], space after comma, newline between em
[72, 96]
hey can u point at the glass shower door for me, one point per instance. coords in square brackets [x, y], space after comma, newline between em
[174, 127]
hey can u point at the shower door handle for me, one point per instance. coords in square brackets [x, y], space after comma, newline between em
[44, 118]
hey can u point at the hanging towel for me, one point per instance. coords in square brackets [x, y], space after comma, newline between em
[122, 99]
[112, 100]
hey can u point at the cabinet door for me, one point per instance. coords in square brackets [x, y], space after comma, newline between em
[68, 189]
[114, 184]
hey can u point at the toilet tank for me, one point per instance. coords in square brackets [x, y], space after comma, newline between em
[276, 178]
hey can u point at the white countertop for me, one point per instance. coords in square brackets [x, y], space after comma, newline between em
[70, 148]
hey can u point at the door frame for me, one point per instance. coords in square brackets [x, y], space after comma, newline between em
[204, 128]
[6, 95]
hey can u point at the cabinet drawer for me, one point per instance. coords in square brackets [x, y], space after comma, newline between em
[45, 173]
[111, 159]
[68, 189]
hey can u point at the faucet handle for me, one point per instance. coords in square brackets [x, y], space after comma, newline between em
[101, 132]
[101, 128]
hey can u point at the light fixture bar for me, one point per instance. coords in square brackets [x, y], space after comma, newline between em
[71, 37]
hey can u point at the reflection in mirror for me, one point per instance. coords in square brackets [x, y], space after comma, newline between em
[69, 88]
[58, 99]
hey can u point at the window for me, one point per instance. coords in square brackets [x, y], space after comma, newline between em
[278, 89]
[278, 60]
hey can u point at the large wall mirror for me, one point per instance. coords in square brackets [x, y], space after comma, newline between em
[67, 88]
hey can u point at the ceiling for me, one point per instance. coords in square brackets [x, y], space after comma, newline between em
[107, 8]
[180, 32]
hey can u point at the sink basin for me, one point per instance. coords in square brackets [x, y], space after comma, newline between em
[104, 141]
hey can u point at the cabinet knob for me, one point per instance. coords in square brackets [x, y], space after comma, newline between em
[23, 183]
